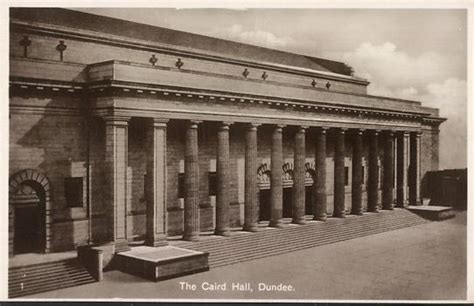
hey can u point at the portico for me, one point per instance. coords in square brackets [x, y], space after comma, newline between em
[347, 142]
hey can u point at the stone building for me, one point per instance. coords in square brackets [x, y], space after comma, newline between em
[125, 132]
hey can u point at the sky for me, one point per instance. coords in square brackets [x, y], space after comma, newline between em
[418, 54]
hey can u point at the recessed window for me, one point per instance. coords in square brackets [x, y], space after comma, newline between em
[181, 185]
[212, 181]
[73, 191]
[346, 176]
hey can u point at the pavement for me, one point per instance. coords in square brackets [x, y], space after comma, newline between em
[424, 262]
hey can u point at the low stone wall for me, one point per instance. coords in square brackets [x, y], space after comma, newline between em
[96, 258]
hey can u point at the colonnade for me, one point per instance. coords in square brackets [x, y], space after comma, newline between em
[116, 163]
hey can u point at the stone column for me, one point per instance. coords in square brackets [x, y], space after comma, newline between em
[191, 183]
[116, 160]
[387, 191]
[276, 179]
[251, 188]
[319, 184]
[155, 184]
[372, 188]
[357, 178]
[401, 169]
[298, 211]
[414, 171]
[339, 183]
[222, 197]
[406, 141]
[418, 169]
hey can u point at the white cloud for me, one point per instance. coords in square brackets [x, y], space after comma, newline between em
[255, 37]
[426, 78]
[450, 97]
[391, 69]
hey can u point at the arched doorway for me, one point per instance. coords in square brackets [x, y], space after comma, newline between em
[28, 206]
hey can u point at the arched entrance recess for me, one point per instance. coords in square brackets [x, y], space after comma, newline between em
[28, 210]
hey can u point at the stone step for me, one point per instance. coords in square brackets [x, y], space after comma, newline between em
[300, 231]
[50, 286]
[295, 240]
[216, 262]
[270, 242]
[38, 266]
[40, 271]
[44, 277]
[302, 228]
[296, 243]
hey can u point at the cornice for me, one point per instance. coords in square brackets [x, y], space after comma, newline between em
[119, 88]
[126, 88]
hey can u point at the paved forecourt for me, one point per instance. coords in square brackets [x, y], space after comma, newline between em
[422, 262]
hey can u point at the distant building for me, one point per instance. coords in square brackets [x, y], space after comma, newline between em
[121, 131]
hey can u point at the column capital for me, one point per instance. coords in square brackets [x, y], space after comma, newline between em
[193, 124]
[358, 131]
[403, 133]
[301, 128]
[374, 132]
[160, 122]
[389, 133]
[116, 119]
[340, 130]
[322, 129]
[278, 128]
[225, 125]
[253, 126]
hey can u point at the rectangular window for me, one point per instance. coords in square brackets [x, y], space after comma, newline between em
[363, 175]
[73, 191]
[181, 185]
[212, 181]
[346, 176]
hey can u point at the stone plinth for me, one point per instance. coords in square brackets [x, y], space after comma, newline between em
[162, 262]
[433, 213]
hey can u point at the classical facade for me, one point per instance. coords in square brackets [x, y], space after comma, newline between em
[123, 132]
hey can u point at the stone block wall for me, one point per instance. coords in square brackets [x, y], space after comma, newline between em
[55, 145]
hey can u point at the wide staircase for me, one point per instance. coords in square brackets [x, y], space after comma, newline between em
[36, 278]
[241, 246]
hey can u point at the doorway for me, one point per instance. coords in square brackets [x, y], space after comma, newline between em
[28, 219]
[309, 200]
[287, 202]
[264, 205]
[27, 237]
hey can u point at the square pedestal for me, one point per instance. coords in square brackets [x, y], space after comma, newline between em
[433, 213]
[161, 262]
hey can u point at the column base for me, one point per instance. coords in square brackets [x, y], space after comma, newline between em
[277, 224]
[121, 246]
[191, 237]
[387, 208]
[222, 232]
[373, 210]
[299, 221]
[339, 215]
[357, 212]
[320, 218]
[156, 241]
[250, 228]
